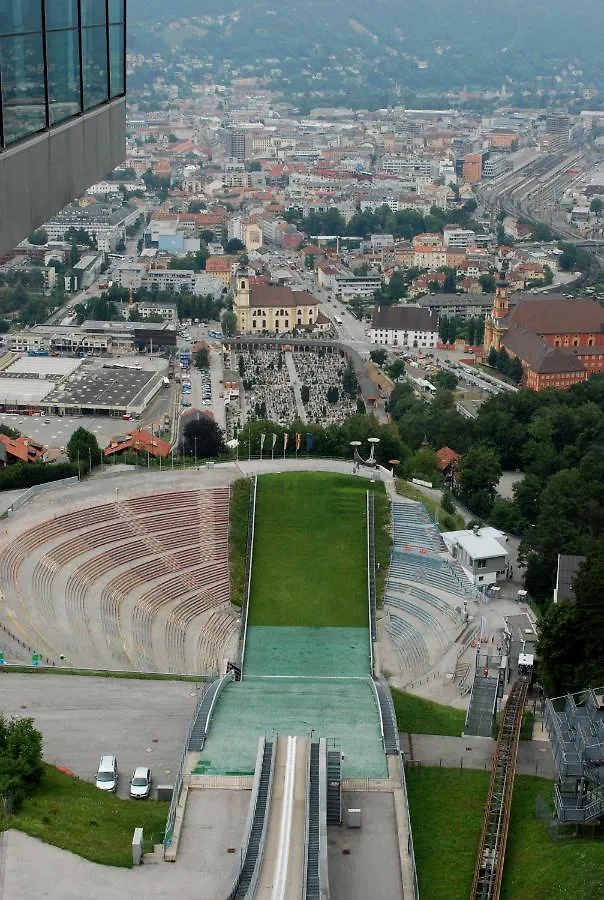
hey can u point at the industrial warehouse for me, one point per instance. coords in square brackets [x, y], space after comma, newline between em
[90, 387]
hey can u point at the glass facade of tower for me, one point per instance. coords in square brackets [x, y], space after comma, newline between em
[59, 59]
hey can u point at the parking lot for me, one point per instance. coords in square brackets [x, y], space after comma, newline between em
[55, 431]
[142, 723]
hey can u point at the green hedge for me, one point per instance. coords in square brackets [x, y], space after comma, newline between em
[25, 475]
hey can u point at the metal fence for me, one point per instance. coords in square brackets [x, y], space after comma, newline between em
[178, 781]
[371, 567]
[31, 492]
[249, 558]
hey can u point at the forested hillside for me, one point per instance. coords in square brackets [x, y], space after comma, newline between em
[309, 46]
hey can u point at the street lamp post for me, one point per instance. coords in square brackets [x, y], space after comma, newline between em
[373, 441]
[356, 459]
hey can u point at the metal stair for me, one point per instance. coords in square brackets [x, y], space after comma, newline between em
[480, 717]
[389, 726]
[313, 878]
[257, 831]
[199, 730]
[334, 787]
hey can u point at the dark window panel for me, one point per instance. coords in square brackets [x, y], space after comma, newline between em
[93, 12]
[19, 16]
[23, 101]
[63, 62]
[116, 10]
[94, 66]
[116, 59]
[61, 14]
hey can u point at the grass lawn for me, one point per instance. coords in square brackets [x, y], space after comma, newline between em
[310, 551]
[238, 522]
[542, 869]
[447, 807]
[419, 716]
[76, 816]
[383, 542]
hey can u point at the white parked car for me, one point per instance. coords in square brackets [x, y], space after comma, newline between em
[140, 783]
[107, 774]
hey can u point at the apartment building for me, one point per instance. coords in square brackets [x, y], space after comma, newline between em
[404, 326]
[221, 268]
[348, 286]
[105, 223]
[457, 238]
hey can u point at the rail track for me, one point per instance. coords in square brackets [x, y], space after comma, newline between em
[488, 872]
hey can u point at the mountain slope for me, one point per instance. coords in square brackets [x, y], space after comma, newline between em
[308, 45]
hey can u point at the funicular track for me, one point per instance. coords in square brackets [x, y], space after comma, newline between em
[491, 852]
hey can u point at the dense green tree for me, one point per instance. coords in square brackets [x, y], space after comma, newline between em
[443, 329]
[397, 286]
[349, 379]
[202, 358]
[487, 283]
[202, 438]
[447, 502]
[397, 369]
[587, 585]
[229, 323]
[570, 517]
[379, 357]
[83, 449]
[479, 331]
[560, 648]
[515, 370]
[20, 758]
[423, 465]
[39, 237]
[446, 380]
[571, 634]
[234, 246]
[527, 494]
[74, 254]
[450, 283]
[542, 232]
[478, 473]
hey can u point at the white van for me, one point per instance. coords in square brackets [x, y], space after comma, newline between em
[107, 775]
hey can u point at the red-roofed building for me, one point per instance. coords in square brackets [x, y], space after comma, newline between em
[221, 267]
[446, 460]
[20, 449]
[138, 442]
[162, 169]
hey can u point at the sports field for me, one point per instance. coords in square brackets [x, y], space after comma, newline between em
[310, 551]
